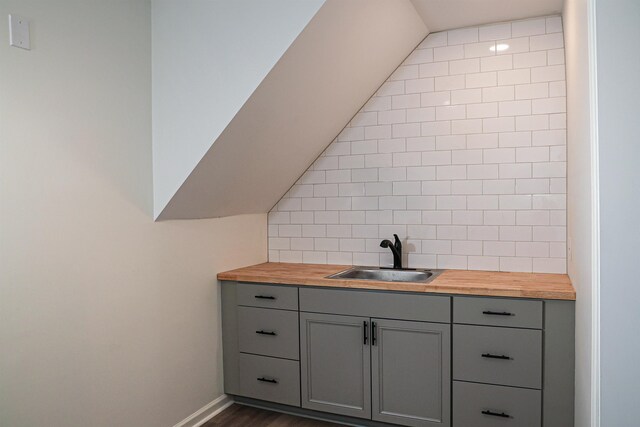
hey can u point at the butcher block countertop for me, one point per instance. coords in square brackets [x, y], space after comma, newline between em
[463, 282]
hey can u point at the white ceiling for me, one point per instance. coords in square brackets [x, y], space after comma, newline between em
[441, 15]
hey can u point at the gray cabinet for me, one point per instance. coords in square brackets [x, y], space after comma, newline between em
[335, 364]
[410, 372]
[387, 370]
[378, 358]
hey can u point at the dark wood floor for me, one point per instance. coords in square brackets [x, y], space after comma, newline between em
[244, 416]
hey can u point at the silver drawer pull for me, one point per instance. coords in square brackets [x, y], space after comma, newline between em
[496, 356]
[496, 414]
[261, 332]
[267, 380]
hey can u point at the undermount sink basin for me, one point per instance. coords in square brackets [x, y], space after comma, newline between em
[387, 274]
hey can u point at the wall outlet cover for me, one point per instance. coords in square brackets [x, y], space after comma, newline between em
[19, 32]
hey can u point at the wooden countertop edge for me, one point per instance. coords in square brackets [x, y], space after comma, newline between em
[516, 289]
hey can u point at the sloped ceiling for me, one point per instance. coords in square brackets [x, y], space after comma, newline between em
[208, 57]
[336, 63]
[441, 15]
[265, 137]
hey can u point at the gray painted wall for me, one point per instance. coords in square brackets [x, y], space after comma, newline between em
[618, 62]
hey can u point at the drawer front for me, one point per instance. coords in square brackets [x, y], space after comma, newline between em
[401, 306]
[498, 312]
[267, 378]
[268, 332]
[504, 356]
[482, 405]
[268, 296]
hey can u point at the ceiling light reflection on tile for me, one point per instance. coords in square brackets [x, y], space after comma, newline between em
[500, 47]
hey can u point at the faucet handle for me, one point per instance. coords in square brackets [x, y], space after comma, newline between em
[397, 244]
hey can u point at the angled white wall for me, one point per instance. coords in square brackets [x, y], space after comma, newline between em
[208, 58]
[345, 52]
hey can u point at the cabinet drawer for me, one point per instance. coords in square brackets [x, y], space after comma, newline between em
[266, 378]
[504, 356]
[389, 305]
[268, 332]
[482, 405]
[268, 296]
[498, 312]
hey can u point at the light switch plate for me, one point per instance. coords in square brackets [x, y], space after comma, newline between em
[19, 32]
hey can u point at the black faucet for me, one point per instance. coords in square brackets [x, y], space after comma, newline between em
[396, 248]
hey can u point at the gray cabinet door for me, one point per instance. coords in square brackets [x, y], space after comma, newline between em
[335, 364]
[410, 372]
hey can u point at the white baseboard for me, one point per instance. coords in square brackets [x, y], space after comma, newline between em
[207, 412]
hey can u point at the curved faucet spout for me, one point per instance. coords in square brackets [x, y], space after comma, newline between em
[396, 249]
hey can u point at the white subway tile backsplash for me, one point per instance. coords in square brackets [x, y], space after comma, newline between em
[529, 27]
[463, 127]
[492, 94]
[392, 116]
[547, 74]
[431, 99]
[549, 265]
[501, 124]
[407, 217]
[514, 108]
[338, 203]
[496, 63]
[480, 80]
[420, 85]
[449, 82]
[420, 56]
[495, 31]
[461, 152]
[530, 59]
[404, 101]
[482, 110]
[466, 96]
[499, 248]
[514, 77]
[532, 249]
[483, 263]
[434, 69]
[515, 170]
[434, 188]
[302, 217]
[464, 66]
[403, 72]
[486, 140]
[425, 143]
[515, 45]
[364, 175]
[554, 24]
[461, 36]
[555, 57]
[546, 42]
[448, 53]
[522, 264]
[450, 112]
[363, 147]
[537, 122]
[549, 105]
[477, 50]
[482, 202]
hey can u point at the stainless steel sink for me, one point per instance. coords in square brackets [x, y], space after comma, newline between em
[387, 274]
